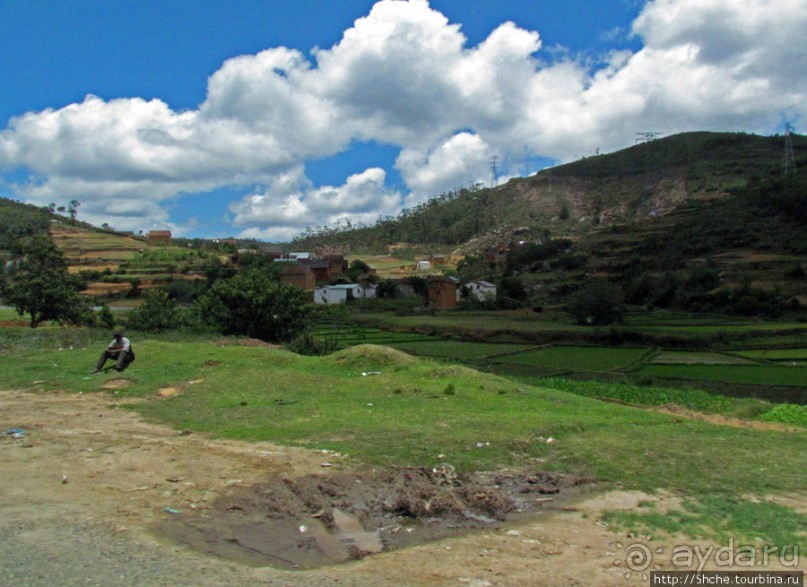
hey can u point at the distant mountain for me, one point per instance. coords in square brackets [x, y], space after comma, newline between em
[644, 181]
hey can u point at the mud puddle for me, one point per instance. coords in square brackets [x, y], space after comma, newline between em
[319, 520]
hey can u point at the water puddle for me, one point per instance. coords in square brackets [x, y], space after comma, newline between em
[320, 520]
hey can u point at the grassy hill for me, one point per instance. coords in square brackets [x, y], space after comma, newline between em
[111, 263]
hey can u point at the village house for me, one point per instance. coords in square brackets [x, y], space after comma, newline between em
[481, 290]
[442, 292]
[438, 259]
[298, 275]
[320, 268]
[270, 250]
[337, 263]
[340, 294]
[159, 237]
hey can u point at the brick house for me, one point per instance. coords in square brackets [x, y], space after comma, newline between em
[442, 292]
[299, 275]
[159, 237]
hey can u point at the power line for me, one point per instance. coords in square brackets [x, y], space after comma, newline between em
[494, 171]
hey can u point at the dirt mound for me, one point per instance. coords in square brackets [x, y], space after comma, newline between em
[370, 356]
[318, 520]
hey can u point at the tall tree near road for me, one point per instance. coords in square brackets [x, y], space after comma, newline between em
[38, 284]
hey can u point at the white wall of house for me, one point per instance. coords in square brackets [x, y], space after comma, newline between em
[339, 294]
[481, 290]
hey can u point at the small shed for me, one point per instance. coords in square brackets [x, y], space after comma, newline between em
[442, 292]
[159, 237]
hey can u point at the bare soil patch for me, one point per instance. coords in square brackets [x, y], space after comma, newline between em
[720, 420]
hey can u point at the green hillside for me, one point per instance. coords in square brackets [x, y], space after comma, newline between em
[645, 181]
[685, 221]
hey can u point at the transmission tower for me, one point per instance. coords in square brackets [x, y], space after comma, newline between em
[494, 171]
[789, 165]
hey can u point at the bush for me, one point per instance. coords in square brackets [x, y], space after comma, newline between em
[310, 344]
[788, 414]
[158, 312]
[254, 304]
[106, 318]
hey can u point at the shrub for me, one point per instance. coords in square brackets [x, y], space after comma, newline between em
[157, 312]
[253, 304]
[788, 414]
[309, 344]
[106, 318]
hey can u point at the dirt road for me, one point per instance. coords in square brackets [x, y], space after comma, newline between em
[93, 495]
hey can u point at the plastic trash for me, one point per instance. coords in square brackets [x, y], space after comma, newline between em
[15, 432]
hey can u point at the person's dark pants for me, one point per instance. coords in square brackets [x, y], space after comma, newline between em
[118, 356]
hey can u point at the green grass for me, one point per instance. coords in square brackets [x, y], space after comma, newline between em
[403, 415]
[642, 395]
[775, 354]
[693, 399]
[746, 375]
[719, 518]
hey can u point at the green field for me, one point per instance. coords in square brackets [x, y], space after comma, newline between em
[576, 358]
[767, 359]
[762, 375]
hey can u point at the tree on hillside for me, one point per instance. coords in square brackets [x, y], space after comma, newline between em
[72, 208]
[255, 305]
[597, 303]
[356, 269]
[40, 286]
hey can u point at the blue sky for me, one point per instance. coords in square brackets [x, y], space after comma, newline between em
[260, 118]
